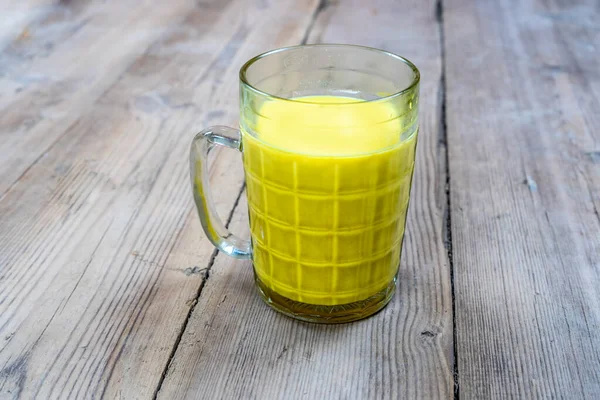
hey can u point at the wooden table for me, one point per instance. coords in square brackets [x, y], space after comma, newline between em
[108, 287]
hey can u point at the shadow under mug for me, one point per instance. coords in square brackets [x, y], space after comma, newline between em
[328, 136]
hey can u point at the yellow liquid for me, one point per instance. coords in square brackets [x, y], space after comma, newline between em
[328, 188]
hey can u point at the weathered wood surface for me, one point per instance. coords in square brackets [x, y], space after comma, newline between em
[523, 102]
[102, 256]
[235, 347]
[16, 15]
[109, 288]
[62, 61]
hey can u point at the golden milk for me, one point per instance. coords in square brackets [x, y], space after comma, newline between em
[328, 185]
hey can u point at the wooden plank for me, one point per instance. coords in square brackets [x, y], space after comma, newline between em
[234, 346]
[16, 15]
[62, 62]
[100, 258]
[524, 138]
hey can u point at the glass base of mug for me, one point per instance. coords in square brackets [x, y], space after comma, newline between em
[323, 314]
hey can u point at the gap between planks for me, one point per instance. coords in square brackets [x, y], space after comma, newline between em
[318, 10]
[443, 141]
[198, 293]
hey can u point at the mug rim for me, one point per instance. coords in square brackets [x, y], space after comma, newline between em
[414, 82]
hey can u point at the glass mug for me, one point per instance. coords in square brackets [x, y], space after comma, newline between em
[328, 136]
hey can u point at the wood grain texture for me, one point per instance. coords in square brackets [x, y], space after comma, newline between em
[16, 15]
[101, 259]
[234, 346]
[62, 61]
[524, 138]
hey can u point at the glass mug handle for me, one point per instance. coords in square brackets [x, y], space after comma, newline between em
[216, 232]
